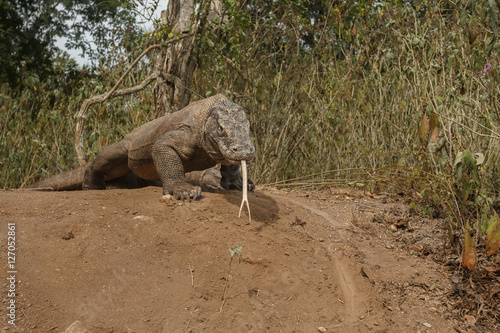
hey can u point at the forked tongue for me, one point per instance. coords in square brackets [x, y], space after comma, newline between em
[245, 189]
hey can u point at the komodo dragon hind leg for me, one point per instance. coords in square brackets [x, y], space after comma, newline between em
[231, 178]
[110, 163]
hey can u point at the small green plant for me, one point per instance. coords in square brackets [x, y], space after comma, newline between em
[467, 182]
[235, 250]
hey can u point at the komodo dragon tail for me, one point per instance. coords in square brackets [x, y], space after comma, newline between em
[66, 181]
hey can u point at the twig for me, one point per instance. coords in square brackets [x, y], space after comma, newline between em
[492, 136]
[367, 310]
[224, 301]
[226, 286]
[192, 277]
[185, 329]
[238, 70]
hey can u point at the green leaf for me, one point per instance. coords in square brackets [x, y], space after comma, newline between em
[467, 157]
[235, 250]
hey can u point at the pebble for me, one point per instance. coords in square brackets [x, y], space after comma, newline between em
[321, 329]
[470, 319]
[167, 197]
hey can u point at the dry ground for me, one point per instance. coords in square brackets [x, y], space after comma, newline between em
[126, 261]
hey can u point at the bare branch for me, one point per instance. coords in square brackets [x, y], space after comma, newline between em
[238, 70]
[146, 51]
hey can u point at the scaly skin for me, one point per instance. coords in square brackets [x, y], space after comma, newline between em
[211, 131]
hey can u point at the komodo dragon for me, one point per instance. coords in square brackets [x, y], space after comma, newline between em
[210, 131]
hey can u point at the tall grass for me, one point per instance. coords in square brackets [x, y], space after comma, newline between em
[37, 123]
[360, 109]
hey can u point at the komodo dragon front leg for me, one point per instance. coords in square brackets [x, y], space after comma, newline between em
[171, 171]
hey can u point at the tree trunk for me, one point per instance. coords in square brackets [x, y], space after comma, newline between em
[177, 60]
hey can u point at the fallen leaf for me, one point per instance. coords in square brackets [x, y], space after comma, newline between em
[493, 235]
[423, 130]
[434, 127]
[469, 253]
[492, 269]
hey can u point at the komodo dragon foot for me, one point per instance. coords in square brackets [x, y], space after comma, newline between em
[182, 190]
[231, 179]
[239, 186]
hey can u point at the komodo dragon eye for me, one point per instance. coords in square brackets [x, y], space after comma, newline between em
[222, 131]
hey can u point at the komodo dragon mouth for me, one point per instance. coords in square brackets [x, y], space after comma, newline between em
[217, 154]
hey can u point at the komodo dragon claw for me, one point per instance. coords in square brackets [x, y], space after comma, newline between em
[183, 190]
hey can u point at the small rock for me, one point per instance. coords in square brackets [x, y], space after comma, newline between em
[143, 218]
[427, 325]
[321, 329]
[470, 319]
[167, 197]
[394, 228]
[67, 236]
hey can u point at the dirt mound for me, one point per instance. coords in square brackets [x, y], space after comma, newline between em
[124, 261]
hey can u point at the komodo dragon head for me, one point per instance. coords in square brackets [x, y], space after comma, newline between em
[227, 134]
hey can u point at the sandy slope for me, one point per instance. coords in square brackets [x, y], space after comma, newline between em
[124, 261]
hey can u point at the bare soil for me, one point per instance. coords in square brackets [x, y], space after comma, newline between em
[126, 261]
